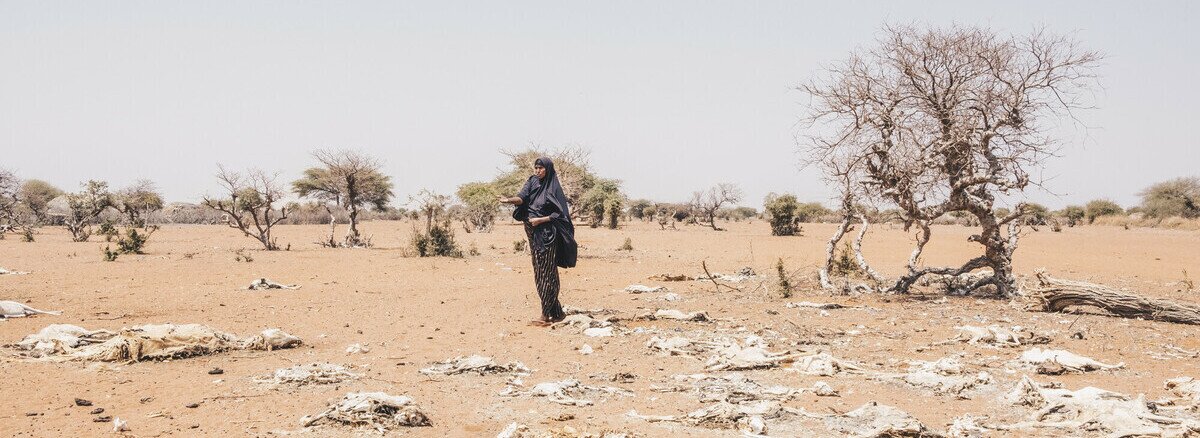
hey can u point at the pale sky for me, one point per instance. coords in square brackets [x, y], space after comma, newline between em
[671, 97]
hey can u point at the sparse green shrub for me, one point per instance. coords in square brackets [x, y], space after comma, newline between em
[785, 284]
[1177, 197]
[109, 254]
[437, 242]
[108, 230]
[519, 245]
[1101, 207]
[628, 246]
[133, 242]
[1073, 214]
[844, 264]
[782, 213]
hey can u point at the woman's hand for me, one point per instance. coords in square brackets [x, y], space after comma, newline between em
[535, 221]
[506, 200]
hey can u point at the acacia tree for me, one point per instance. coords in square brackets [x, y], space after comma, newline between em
[938, 121]
[10, 217]
[349, 180]
[249, 204]
[136, 202]
[479, 200]
[707, 203]
[36, 196]
[84, 207]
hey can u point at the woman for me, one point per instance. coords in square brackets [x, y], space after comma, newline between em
[542, 206]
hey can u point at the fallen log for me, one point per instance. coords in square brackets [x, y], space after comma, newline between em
[1055, 295]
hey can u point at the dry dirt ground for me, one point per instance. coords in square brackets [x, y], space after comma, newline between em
[411, 312]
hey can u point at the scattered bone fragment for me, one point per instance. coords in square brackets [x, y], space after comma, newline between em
[145, 342]
[568, 392]
[876, 420]
[264, 284]
[643, 289]
[517, 430]
[823, 389]
[1068, 361]
[585, 349]
[375, 409]
[823, 364]
[120, 425]
[732, 388]
[598, 332]
[811, 305]
[670, 296]
[476, 364]
[13, 309]
[8, 272]
[722, 415]
[310, 374]
[1185, 388]
[734, 357]
[357, 348]
[677, 315]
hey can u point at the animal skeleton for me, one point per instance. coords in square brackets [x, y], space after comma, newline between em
[943, 376]
[263, 284]
[995, 336]
[146, 342]
[376, 409]
[1092, 409]
[474, 364]
[823, 364]
[13, 309]
[8, 272]
[643, 289]
[876, 420]
[311, 374]
[1069, 361]
[568, 392]
[675, 315]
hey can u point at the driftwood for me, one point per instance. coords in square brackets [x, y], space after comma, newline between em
[1054, 295]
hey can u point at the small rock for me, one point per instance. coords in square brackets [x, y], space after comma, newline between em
[216, 371]
[192, 405]
[82, 402]
[120, 425]
[564, 417]
[585, 349]
[102, 419]
[97, 411]
[32, 414]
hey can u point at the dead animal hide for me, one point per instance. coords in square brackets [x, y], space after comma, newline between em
[311, 374]
[733, 357]
[943, 376]
[643, 289]
[13, 309]
[1093, 410]
[823, 364]
[677, 315]
[568, 392]
[746, 417]
[146, 342]
[731, 388]
[56, 339]
[670, 277]
[1185, 388]
[376, 409]
[996, 336]
[810, 305]
[679, 346]
[1068, 361]
[264, 284]
[481, 365]
[876, 420]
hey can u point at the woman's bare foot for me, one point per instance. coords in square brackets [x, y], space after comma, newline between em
[540, 322]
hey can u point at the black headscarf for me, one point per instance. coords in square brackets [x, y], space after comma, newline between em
[544, 197]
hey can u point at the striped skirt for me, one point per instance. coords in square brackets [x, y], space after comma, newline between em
[545, 275]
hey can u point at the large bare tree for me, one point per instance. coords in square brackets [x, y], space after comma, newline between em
[249, 204]
[705, 204]
[347, 179]
[936, 121]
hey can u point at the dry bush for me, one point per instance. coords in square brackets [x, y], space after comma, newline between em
[249, 204]
[707, 203]
[137, 202]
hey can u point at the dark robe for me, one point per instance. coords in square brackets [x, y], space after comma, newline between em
[544, 197]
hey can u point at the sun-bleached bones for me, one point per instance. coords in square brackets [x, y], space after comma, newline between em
[1069, 361]
[732, 388]
[943, 376]
[568, 392]
[995, 335]
[725, 354]
[676, 315]
[875, 420]
[747, 417]
[517, 430]
[145, 342]
[310, 374]
[264, 284]
[376, 409]
[8, 272]
[823, 364]
[811, 305]
[643, 289]
[477, 364]
[1091, 409]
[13, 309]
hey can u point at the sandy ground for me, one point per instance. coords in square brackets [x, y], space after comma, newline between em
[413, 311]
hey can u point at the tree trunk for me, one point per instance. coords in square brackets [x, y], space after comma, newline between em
[352, 238]
[1054, 295]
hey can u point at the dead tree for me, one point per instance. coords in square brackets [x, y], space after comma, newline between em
[1054, 295]
[249, 204]
[347, 179]
[933, 122]
[707, 203]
